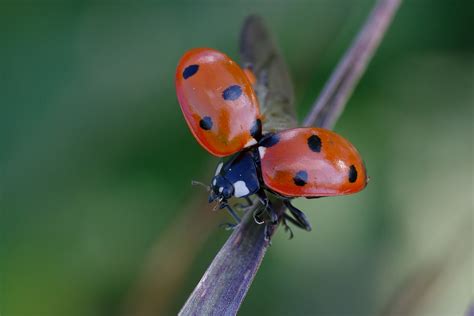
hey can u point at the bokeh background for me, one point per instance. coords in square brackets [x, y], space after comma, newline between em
[98, 216]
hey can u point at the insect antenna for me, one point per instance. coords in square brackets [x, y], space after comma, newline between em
[208, 188]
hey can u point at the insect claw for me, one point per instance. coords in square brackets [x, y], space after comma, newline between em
[268, 235]
[256, 219]
[228, 226]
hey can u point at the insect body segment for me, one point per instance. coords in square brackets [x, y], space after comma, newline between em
[311, 162]
[218, 101]
[236, 178]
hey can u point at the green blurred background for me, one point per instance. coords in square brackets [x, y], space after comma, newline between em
[96, 205]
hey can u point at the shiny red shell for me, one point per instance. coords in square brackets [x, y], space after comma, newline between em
[217, 100]
[311, 162]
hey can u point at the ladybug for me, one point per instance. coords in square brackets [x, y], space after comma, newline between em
[222, 111]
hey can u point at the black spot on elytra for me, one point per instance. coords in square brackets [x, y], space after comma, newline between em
[190, 71]
[352, 174]
[314, 143]
[205, 123]
[269, 140]
[256, 130]
[300, 178]
[232, 93]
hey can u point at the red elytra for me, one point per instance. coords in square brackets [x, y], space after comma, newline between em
[218, 101]
[311, 162]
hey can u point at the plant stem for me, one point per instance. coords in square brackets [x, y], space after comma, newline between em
[227, 280]
[331, 102]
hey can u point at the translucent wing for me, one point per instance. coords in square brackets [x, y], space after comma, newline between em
[274, 89]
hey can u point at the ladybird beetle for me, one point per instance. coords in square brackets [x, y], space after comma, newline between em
[222, 111]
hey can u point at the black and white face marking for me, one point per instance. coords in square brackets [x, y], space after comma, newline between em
[237, 177]
[219, 168]
[240, 189]
[221, 189]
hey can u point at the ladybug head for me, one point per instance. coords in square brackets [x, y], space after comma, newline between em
[221, 189]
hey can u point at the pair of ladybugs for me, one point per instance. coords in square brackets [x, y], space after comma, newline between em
[222, 111]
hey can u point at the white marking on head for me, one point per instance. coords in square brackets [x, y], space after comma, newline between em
[214, 182]
[240, 189]
[252, 141]
[261, 151]
[218, 169]
[221, 189]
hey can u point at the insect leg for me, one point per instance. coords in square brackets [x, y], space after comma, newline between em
[228, 226]
[293, 221]
[268, 206]
[298, 215]
[231, 212]
[285, 224]
[243, 206]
